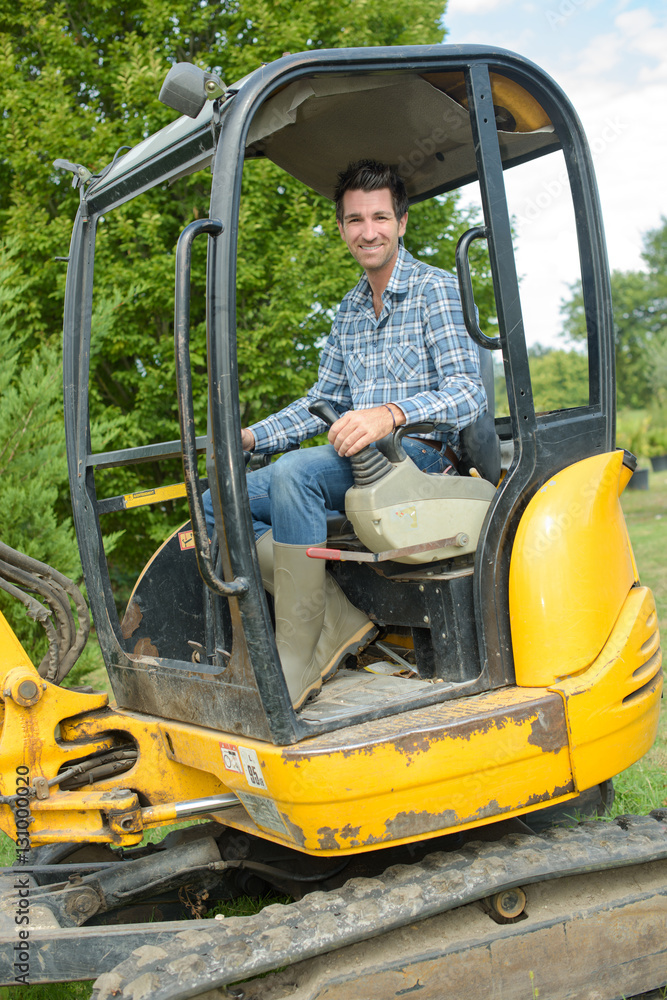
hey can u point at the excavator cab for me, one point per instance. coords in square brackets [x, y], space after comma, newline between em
[519, 664]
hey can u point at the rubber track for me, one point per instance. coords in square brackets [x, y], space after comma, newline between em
[213, 953]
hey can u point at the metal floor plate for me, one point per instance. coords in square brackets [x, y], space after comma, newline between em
[353, 690]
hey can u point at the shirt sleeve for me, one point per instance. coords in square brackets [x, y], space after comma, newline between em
[295, 423]
[459, 397]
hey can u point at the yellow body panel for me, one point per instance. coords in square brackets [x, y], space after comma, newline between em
[571, 570]
[412, 776]
[404, 778]
[460, 764]
[612, 708]
[61, 726]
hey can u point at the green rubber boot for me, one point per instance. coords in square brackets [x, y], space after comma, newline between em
[264, 546]
[345, 630]
[299, 607]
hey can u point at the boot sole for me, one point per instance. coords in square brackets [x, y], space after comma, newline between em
[359, 641]
[308, 695]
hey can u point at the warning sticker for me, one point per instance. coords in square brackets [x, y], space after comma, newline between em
[406, 516]
[263, 811]
[230, 757]
[186, 540]
[251, 766]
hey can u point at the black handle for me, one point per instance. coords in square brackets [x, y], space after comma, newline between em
[407, 430]
[324, 410]
[186, 411]
[465, 287]
[390, 446]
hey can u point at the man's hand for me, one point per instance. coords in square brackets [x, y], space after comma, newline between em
[247, 439]
[358, 428]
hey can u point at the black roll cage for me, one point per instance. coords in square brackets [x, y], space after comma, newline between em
[255, 701]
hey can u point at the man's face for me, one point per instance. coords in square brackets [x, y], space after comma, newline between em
[370, 228]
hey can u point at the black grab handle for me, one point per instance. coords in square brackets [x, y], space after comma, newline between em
[324, 410]
[465, 287]
[186, 411]
[389, 446]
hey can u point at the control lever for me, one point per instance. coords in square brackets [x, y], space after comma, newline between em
[402, 514]
[324, 410]
[390, 446]
[368, 465]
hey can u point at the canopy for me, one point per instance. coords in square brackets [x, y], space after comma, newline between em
[314, 127]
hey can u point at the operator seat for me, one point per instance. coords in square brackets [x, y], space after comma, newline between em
[480, 444]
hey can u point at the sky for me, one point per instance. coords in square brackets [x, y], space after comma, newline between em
[610, 58]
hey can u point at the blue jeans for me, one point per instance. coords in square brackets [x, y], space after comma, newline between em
[292, 496]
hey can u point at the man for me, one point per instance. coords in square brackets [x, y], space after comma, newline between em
[398, 352]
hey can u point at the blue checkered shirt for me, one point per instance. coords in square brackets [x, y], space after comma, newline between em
[416, 354]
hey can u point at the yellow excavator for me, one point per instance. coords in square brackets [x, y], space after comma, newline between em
[434, 814]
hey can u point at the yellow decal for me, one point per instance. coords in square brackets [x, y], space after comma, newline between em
[158, 495]
[186, 540]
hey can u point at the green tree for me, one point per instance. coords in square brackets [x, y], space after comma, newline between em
[640, 325]
[559, 378]
[32, 453]
[655, 256]
[79, 81]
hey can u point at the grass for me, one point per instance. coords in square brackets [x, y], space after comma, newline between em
[644, 785]
[638, 790]
[646, 514]
[48, 991]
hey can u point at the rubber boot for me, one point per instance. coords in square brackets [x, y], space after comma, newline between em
[264, 546]
[345, 630]
[299, 606]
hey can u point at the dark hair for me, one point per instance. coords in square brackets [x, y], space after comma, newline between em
[369, 175]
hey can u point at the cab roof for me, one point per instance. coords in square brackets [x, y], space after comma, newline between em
[315, 125]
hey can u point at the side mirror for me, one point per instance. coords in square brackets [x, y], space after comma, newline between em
[186, 88]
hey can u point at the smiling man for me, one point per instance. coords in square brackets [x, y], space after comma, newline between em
[398, 352]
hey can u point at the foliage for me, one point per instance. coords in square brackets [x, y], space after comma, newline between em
[33, 470]
[640, 325]
[644, 786]
[559, 379]
[642, 432]
[32, 451]
[80, 81]
[48, 991]
[647, 523]
[632, 431]
[656, 438]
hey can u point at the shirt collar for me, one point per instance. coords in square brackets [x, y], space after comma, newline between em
[400, 276]
[398, 281]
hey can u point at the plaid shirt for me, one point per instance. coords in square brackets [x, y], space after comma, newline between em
[416, 354]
